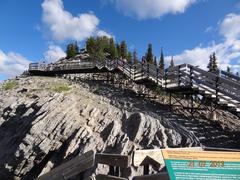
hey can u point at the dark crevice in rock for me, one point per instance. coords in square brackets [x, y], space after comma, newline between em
[21, 109]
[56, 157]
[11, 137]
[37, 168]
[131, 125]
[107, 131]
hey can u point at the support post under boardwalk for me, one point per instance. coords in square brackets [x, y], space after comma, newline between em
[170, 101]
[146, 169]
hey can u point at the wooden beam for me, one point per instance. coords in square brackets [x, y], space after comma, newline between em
[161, 176]
[71, 168]
[114, 160]
[108, 177]
[139, 157]
[89, 178]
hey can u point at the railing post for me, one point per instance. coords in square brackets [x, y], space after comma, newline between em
[165, 78]
[157, 74]
[217, 89]
[134, 72]
[131, 71]
[179, 76]
[111, 170]
[142, 71]
[191, 85]
[146, 169]
[117, 171]
[191, 76]
[170, 100]
[148, 70]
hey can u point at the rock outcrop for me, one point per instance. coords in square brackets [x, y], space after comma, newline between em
[40, 128]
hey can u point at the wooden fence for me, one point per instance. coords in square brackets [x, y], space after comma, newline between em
[118, 164]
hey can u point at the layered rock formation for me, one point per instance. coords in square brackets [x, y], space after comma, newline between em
[41, 127]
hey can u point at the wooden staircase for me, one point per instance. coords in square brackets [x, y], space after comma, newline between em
[223, 89]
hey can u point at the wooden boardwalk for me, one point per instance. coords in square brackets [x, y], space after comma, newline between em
[223, 89]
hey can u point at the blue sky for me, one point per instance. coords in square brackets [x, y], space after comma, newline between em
[188, 30]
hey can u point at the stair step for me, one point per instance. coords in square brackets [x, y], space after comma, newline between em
[223, 102]
[237, 109]
[231, 105]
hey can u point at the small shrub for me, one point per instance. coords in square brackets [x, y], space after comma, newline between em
[158, 90]
[61, 87]
[97, 89]
[9, 85]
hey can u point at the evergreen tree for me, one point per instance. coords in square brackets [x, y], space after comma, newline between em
[161, 62]
[155, 61]
[214, 64]
[123, 50]
[129, 57]
[112, 49]
[210, 64]
[97, 48]
[72, 50]
[76, 47]
[101, 48]
[103, 41]
[149, 54]
[135, 59]
[118, 50]
[228, 69]
[171, 63]
[91, 47]
[237, 73]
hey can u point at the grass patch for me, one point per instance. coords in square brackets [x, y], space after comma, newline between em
[97, 89]
[159, 90]
[61, 87]
[9, 85]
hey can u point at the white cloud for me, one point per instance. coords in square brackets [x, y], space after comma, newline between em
[229, 28]
[103, 33]
[12, 64]
[209, 29]
[227, 51]
[54, 53]
[62, 25]
[143, 9]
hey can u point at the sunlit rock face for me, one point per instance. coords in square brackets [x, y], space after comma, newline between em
[41, 127]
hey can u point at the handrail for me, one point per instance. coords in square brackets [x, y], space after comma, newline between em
[229, 75]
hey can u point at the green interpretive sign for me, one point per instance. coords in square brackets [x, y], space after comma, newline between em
[200, 165]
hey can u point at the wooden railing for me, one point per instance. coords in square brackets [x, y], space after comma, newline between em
[221, 87]
[118, 166]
